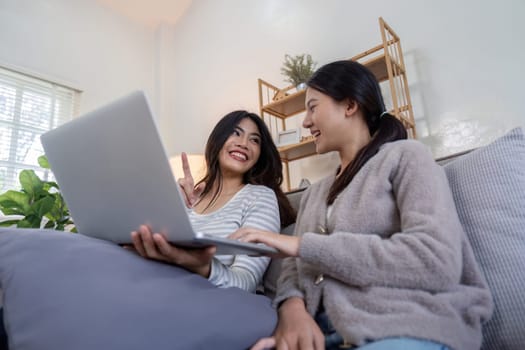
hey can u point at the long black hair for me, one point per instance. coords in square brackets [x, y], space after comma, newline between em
[267, 171]
[342, 80]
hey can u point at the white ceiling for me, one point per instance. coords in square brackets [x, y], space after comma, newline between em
[149, 12]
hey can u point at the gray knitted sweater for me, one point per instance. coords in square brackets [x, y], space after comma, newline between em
[395, 258]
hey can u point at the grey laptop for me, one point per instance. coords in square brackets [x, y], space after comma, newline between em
[114, 174]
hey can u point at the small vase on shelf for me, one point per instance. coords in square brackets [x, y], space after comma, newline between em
[300, 87]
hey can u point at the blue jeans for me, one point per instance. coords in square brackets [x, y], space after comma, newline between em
[334, 341]
[403, 343]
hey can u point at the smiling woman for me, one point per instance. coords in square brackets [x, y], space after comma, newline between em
[377, 241]
[240, 188]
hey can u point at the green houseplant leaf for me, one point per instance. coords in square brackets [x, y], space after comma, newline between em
[9, 223]
[14, 203]
[43, 162]
[38, 204]
[31, 184]
[43, 206]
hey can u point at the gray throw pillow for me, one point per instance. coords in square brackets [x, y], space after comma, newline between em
[489, 191]
[68, 291]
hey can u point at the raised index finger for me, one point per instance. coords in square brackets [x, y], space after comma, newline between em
[186, 168]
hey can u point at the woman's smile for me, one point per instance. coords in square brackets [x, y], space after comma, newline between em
[239, 156]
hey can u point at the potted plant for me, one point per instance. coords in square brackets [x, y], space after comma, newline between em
[39, 204]
[298, 69]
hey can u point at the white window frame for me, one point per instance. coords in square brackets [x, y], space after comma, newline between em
[54, 94]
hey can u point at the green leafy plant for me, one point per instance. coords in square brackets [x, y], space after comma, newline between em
[38, 204]
[298, 69]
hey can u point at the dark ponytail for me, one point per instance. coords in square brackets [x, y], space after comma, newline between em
[351, 80]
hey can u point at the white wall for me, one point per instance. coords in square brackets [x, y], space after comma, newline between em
[464, 59]
[81, 43]
[464, 63]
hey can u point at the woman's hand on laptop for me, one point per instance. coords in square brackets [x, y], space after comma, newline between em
[286, 245]
[155, 246]
[186, 183]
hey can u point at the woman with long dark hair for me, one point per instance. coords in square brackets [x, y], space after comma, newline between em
[241, 188]
[379, 259]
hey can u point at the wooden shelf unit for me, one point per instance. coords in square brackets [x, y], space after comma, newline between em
[386, 63]
[303, 149]
[378, 66]
[277, 105]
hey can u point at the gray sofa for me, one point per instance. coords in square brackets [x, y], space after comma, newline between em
[488, 186]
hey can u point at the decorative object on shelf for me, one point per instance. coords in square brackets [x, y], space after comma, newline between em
[301, 86]
[298, 69]
[288, 137]
[39, 204]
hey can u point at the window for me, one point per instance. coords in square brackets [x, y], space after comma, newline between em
[28, 107]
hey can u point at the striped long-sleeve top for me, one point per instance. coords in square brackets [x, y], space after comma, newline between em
[253, 206]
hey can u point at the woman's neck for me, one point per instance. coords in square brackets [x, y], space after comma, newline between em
[356, 137]
[348, 153]
[229, 185]
[225, 191]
